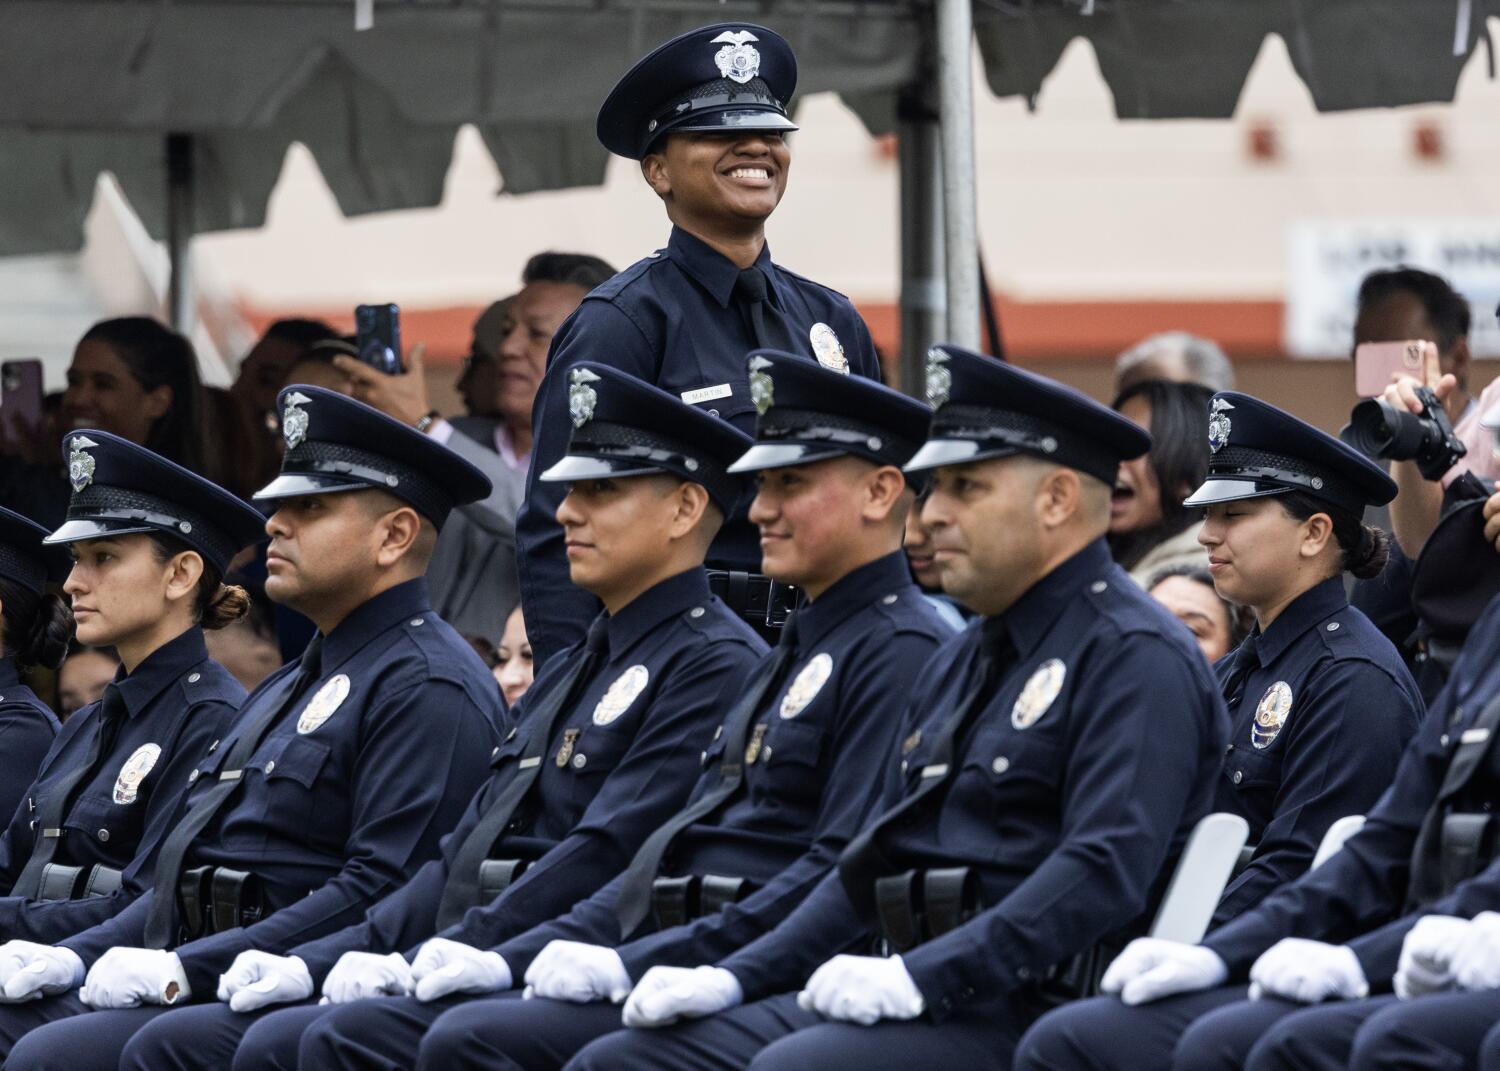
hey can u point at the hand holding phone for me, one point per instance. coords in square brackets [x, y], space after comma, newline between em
[378, 328]
[1376, 364]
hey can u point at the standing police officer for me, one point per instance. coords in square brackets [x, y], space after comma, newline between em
[1057, 754]
[706, 116]
[341, 771]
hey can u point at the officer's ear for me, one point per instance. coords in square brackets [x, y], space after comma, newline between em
[654, 170]
[885, 495]
[184, 569]
[1317, 533]
[689, 501]
[399, 533]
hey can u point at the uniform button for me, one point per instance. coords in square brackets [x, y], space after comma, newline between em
[696, 611]
[1443, 740]
[270, 766]
[580, 760]
[194, 678]
[1333, 626]
[192, 777]
[1239, 775]
[415, 622]
[1023, 973]
[713, 412]
[1098, 586]
[103, 834]
[1001, 764]
[888, 599]
[766, 754]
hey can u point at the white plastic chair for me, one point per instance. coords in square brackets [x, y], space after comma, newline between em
[1337, 833]
[1208, 859]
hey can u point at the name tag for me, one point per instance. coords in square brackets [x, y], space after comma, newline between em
[1474, 736]
[938, 770]
[707, 394]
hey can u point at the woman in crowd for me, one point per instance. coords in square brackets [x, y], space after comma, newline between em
[513, 664]
[1188, 591]
[83, 676]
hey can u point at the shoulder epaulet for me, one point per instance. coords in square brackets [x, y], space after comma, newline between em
[812, 282]
[621, 280]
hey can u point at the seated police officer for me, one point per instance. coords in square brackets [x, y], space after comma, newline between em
[1324, 703]
[340, 773]
[1056, 754]
[788, 777]
[605, 744]
[705, 114]
[150, 542]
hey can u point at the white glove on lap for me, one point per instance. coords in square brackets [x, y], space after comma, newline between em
[257, 979]
[862, 989]
[1476, 963]
[29, 971]
[1308, 971]
[1151, 968]
[130, 977]
[443, 967]
[578, 973]
[358, 975]
[666, 994]
[1426, 964]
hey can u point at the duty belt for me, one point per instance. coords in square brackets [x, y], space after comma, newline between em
[757, 598]
[1468, 845]
[677, 901]
[497, 875]
[215, 898]
[61, 882]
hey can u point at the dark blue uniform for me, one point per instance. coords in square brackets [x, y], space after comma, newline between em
[175, 704]
[27, 729]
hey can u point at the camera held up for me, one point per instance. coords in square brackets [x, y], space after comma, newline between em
[1380, 430]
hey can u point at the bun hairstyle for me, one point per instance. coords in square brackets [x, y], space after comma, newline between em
[1365, 548]
[37, 626]
[215, 604]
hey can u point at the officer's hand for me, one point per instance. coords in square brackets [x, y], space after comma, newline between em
[403, 397]
[1476, 963]
[1402, 393]
[579, 973]
[1426, 964]
[666, 994]
[443, 966]
[1151, 968]
[358, 975]
[1491, 511]
[1308, 971]
[862, 989]
[29, 971]
[130, 977]
[256, 979]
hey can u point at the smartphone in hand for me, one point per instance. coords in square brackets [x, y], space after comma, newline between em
[1376, 362]
[21, 396]
[378, 328]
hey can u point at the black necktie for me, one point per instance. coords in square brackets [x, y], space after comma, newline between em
[54, 808]
[767, 326]
[161, 924]
[1246, 661]
[865, 858]
[462, 890]
[635, 889]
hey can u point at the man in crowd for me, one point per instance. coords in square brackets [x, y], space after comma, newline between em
[1176, 356]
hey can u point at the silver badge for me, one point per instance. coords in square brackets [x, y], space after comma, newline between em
[827, 348]
[939, 378]
[1218, 425]
[327, 700]
[738, 60]
[620, 694]
[1040, 690]
[80, 465]
[140, 763]
[581, 397]
[294, 420]
[762, 389]
[1271, 714]
[807, 685]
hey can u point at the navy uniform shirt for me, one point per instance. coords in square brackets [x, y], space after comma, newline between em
[619, 763]
[27, 729]
[1360, 892]
[349, 791]
[667, 320]
[176, 703]
[811, 775]
[1075, 784]
[1323, 707]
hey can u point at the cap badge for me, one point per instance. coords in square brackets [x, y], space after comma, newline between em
[1036, 696]
[807, 685]
[1271, 714]
[939, 378]
[1218, 425]
[738, 60]
[80, 465]
[581, 397]
[294, 420]
[762, 390]
[828, 349]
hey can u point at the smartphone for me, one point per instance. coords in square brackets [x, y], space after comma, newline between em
[1376, 362]
[378, 328]
[21, 396]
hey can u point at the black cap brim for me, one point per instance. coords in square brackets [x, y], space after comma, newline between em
[936, 453]
[1214, 491]
[764, 456]
[292, 484]
[573, 467]
[728, 120]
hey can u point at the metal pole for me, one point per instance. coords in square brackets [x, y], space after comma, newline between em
[955, 34]
[180, 226]
[923, 288]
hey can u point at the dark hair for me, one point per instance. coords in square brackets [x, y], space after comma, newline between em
[1446, 308]
[573, 269]
[37, 626]
[1365, 547]
[1238, 616]
[300, 332]
[1178, 459]
[215, 604]
[158, 356]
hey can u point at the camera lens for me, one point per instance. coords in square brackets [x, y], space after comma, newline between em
[1379, 430]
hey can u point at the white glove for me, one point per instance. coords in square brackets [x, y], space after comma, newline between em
[256, 979]
[1476, 963]
[862, 989]
[358, 975]
[443, 966]
[130, 977]
[1151, 968]
[1426, 964]
[29, 971]
[578, 973]
[1308, 971]
[666, 994]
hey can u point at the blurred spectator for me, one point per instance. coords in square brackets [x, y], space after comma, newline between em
[479, 383]
[472, 576]
[316, 366]
[1149, 527]
[247, 647]
[265, 367]
[1175, 356]
[513, 666]
[1188, 591]
[83, 676]
[924, 571]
